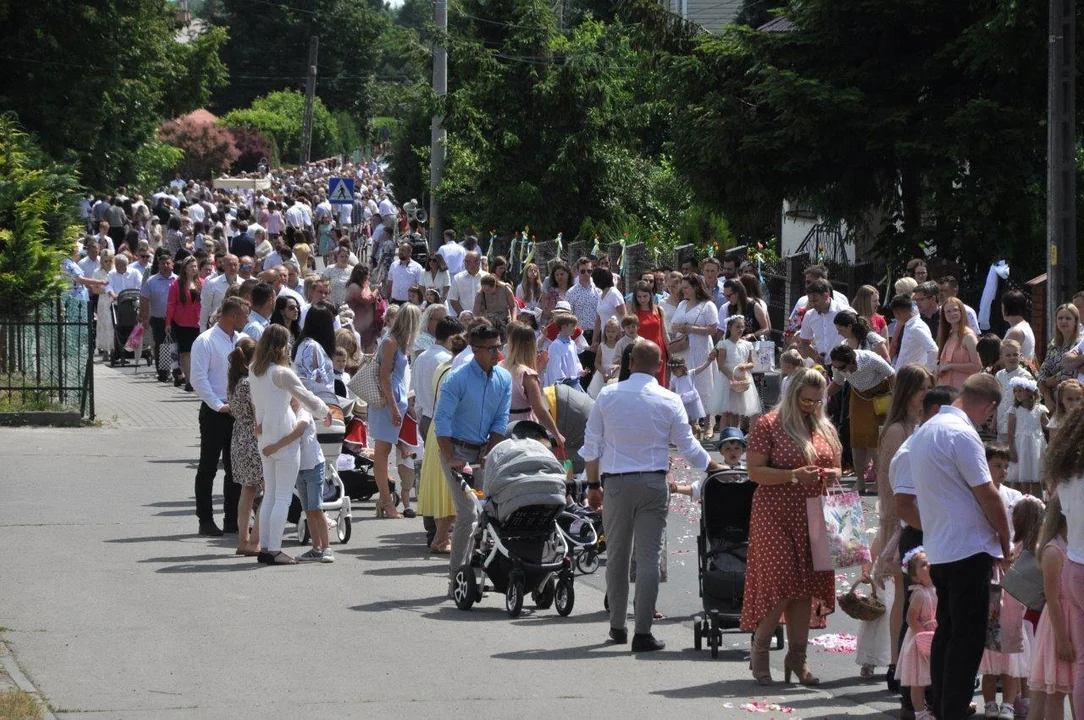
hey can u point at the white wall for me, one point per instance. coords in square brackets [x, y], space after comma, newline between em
[795, 229]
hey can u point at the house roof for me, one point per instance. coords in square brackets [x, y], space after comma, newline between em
[777, 25]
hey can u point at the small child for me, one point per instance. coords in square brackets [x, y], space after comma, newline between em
[608, 357]
[913, 666]
[431, 297]
[1052, 654]
[789, 362]
[1006, 667]
[1068, 396]
[563, 365]
[1026, 421]
[738, 397]
[342, 378]
[630, 328]
[731, 447]
[310, 488]
[416, 295]
[1010, 368]
[681, 384]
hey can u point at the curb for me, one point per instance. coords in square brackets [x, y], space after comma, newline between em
[22, 682]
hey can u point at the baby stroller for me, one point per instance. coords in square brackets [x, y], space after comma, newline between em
[582, 529]
[726, 504]
[356, 470]
[336, 503]
[517, 542]
[125, 320]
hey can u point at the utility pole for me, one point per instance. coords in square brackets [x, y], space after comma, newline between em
[310, 96]
[1060, 162]
[436, 147]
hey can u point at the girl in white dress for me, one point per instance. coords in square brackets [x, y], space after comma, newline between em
[1027, 418]
[608, 358]
[697, 318]
[104, 332]
[737, 398]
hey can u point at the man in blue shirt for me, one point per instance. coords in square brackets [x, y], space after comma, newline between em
[153, 297]
[471, 417]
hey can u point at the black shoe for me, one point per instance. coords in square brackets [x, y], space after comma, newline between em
[646, 643]
[619, 637]
[229, 529]
[178, 380]
[163, 377]
[188, 387]
[893, 683]
[264, 558]
[209, 529]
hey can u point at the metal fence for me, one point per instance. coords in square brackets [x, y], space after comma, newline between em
[46, 358]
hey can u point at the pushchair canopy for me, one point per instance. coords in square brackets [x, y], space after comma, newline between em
[519, 473]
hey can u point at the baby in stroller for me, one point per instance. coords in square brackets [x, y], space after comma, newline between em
[731, 447]
[517, 543]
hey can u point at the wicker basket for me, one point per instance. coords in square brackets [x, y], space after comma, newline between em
[860, 607]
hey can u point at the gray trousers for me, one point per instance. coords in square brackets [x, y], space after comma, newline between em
[634, 512]
[466, 518]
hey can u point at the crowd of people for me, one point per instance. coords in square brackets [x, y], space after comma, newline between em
[262, 302]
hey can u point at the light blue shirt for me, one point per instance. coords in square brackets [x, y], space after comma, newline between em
[156, 289]
[72, 270]
[473, 405]
[257, 323]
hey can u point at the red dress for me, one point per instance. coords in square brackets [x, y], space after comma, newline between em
[651, 329]
[780, 566]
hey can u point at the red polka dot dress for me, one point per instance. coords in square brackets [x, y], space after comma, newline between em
[780, 566]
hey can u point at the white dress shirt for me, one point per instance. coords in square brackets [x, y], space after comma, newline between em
[918, 345]
[465, 287]
[954, 526]
[424, 374]
[131, 279]
[821, 328]
[453, 254]
[803, 302]
[403, 275]
[211, 297]
[210, 365]
[632, 425]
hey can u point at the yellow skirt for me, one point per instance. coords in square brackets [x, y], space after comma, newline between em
[434, 500]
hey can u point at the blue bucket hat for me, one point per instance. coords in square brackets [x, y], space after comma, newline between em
[732, 433]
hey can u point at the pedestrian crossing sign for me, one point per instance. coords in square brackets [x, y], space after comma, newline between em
[340, 191]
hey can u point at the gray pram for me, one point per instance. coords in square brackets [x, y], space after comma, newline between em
[517, 542]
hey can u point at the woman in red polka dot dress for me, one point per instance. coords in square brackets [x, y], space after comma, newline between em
[794, 453]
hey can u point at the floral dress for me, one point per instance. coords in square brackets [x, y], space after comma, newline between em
[780, 566]
[244, 452]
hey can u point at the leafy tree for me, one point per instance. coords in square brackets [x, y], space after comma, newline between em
[252, 148]
[268, 49]
[39, 220]
[89, 79]
[196, 69]
[208, 147]
[280, 116]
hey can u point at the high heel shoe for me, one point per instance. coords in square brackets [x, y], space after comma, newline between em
[794, 663]
[387, 510]
[758, 662]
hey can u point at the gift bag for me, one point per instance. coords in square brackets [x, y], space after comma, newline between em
[843, 527]
[993, 616]
[763, 356]
[818, 534]
[135, 339]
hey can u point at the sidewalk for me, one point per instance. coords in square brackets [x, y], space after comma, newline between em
[124, 399]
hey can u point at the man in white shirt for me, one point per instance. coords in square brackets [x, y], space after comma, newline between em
[324, 209]
[402, 275]
[965, 533]
[259, 314]
[210, 365]
[813, 272]
[626, 446]
[912, 341]
[819, 334]
[453, 253]
[466, 285]
[422, 374]
[122, 277]
[90, 264]
[949, 288]
[386, 208]
[295, 216]
[214, 289]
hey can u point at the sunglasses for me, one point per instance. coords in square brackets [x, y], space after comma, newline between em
[487, 348]
[805, 402]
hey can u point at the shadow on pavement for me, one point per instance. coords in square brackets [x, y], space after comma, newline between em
[190, 558]
[249, 565]
[155, 538]
[582, 652]
[172, 503]
[550, 617]
[408, 570]
[398, 604]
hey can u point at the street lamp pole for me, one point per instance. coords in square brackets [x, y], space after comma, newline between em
[1061, 159]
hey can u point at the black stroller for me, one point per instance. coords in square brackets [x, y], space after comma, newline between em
[125, 320]
[726, 504]
[517, 543]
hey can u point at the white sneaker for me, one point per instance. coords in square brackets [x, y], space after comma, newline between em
[924, 715]
[993, 710]
[313, 555]
[1007, 712]
[327, 557]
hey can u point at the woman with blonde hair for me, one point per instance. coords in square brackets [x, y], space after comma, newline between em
[959, 357]
[528, 403]
[274, 386]
[386, 422]
[1066, 337]
[302, 254]
[865, 305]
[794, 453]
[105, 296]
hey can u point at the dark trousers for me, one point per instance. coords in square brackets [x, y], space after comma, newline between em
[910, 538]
[963, 600]
[587, 360]
[161, 348]
[215, 434]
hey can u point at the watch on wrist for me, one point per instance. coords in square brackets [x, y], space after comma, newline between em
[793, 477]
[594, 486]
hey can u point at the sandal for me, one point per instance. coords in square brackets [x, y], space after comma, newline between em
[445, 549]
[408, 512]
[281, 558]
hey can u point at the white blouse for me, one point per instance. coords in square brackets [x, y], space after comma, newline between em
[271, 393]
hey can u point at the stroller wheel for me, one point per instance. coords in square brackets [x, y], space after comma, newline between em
[343, 527]
[587, 562]
[565, 597]
[465, 590]
[302, 531]
[543, 598]
[513, 599]
[698, 634]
